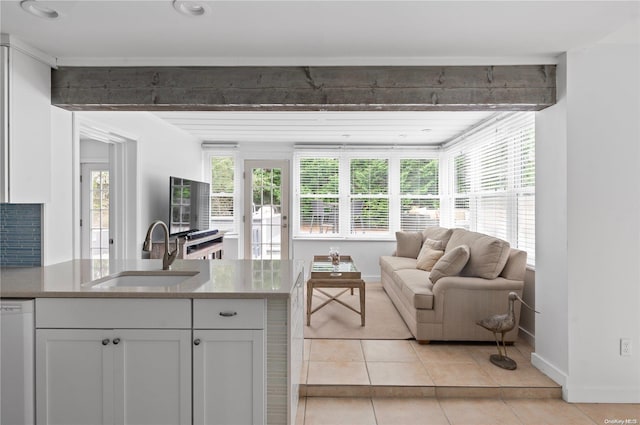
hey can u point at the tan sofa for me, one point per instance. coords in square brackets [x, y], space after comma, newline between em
[448, 310]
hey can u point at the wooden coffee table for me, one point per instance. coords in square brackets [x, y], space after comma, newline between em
[325, 275]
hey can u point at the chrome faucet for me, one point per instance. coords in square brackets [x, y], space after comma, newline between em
[168, 257]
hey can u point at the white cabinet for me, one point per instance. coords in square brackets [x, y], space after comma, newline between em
[113, 376]
[25, 123]
[228, 362]
[74, 377]
[143, 361]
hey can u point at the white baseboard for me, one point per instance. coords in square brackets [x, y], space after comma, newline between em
[582, 394]
[551, 371]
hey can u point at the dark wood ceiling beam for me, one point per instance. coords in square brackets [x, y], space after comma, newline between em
[348, 88]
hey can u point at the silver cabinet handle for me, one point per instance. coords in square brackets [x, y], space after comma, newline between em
[228, 313]
[196, 341]
[105, 341]
[116, 341]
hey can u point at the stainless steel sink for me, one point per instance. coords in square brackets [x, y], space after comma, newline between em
[144, 279]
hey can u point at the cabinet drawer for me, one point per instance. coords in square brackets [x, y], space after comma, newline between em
[112, 313]
[229, 314]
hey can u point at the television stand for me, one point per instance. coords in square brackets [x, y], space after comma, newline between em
[208, 247]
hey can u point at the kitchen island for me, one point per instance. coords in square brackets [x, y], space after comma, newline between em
[211, 341]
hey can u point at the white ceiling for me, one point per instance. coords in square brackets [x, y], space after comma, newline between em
[318, 32]
[401, 128]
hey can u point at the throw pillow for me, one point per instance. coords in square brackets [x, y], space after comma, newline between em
[429, 254]
[450, 264]
[488, 255]
[437, 233]
[408, 244]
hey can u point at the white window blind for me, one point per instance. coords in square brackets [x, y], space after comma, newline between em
[223, 193]
[493, 176]
[419, 194]
[369, 190]
[319, 188]
[351, 194]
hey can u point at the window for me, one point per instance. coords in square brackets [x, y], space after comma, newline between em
[419, 194]
[357, 195]
[493, 180]
[369, 195]
[222, 193]
[319, 191]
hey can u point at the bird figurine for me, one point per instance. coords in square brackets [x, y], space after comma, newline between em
[501, 324]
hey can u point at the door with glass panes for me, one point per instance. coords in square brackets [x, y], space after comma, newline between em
[266, 209]
[95, 205]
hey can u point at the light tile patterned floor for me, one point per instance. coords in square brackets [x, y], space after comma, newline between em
[407, 363]
[434, 411]
[456, 382]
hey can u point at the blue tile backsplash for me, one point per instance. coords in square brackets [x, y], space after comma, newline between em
[20, 235]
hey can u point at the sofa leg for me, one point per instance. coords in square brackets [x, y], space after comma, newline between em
[423, 341]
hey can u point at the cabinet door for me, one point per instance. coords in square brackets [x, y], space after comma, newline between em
[27, 130]
[228, 377]
[74, 377]
[152, 376]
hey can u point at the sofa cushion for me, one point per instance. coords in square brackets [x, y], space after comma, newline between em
[487, 254]
[450, 264]
[415, 287]
[408, 244]
[437, 234]
[430, 253]
[390, 264]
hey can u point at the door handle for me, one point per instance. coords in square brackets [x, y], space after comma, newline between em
[196, 341]
[105, 341]
[116, 341]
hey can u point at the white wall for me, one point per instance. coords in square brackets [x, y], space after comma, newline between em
[552, 297]
[588, 273]
[163, 151]
[57, 237]
[93, 151]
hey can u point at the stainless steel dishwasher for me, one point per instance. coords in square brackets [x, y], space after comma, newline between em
[17, 362]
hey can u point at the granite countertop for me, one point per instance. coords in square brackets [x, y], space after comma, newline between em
[214, 279]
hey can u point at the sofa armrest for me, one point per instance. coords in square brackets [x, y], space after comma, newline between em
[476, 283]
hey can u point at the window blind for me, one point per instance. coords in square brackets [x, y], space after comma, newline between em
[222, 193]
[493, 176]
[352, 194]
[419, 194]
[369, 190]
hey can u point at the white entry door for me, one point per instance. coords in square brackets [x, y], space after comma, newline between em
[266, 209]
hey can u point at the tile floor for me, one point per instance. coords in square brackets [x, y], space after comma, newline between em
[401, 382]
[456, 411]
[364, 368]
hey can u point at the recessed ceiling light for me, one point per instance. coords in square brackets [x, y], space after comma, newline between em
[426, 129]
[39, 10]
[189, 8]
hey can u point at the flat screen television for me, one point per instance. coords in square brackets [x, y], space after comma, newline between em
[188, 206]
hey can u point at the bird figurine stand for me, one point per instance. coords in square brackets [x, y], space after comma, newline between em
[501, 324]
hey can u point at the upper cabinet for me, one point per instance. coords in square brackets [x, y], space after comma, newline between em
[25, 144]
